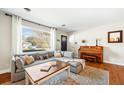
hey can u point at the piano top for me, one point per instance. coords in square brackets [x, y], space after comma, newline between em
[91, 49]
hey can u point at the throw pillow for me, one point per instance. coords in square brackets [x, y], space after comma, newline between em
[68, 54]
[57, 54]
[36, 57]
[62, 53]
[45, 57]
[41, 57]
[51, 54]
[29, 59]
[23, 58]
[19, 63]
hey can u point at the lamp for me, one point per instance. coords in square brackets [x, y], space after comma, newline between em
[97, 41]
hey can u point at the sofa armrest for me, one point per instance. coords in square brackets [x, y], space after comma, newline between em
[13, 66]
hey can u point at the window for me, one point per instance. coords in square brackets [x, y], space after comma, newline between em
[35, 40]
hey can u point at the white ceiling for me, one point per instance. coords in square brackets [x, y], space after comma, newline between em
[74, 18]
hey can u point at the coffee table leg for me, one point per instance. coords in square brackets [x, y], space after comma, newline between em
[26, 79]
[68, 71]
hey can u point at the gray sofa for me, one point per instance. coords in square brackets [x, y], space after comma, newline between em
[17, 68]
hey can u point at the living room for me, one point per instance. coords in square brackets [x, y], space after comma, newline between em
[29, 34]
[75, 46]
[61, 42]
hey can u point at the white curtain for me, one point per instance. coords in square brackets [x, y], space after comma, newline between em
[53, 39]
[16, 35]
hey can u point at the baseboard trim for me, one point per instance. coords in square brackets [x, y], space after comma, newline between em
[120, 64]
[4, 71]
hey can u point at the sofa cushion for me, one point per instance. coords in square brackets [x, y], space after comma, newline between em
[64, 59]
[74, 63]
[40, 62]
[50, 59]
[68, 54]
[34, 63]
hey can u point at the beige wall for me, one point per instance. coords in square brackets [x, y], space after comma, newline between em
[113, 52]
[58, 36]
[5, 42]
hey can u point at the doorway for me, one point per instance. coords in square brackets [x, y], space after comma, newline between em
[63, 43]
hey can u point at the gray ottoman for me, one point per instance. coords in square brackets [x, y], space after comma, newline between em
[75, 66]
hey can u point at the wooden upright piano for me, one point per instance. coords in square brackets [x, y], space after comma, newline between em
[91, 53]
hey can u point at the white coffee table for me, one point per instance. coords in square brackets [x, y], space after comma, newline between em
[35, 76]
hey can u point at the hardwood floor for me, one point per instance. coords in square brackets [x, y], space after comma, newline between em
[5, 77]
[116, 73]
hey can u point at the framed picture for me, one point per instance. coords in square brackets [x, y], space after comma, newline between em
[115, 36]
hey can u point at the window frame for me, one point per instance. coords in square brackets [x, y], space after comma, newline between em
[28, 27]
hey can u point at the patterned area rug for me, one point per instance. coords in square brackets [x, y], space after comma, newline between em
[88, 76]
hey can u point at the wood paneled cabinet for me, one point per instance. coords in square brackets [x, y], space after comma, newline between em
[91, 53]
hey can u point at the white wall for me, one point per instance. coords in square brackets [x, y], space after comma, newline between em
[113, 52]
[5, 42]
[35, 26]
[58, 36]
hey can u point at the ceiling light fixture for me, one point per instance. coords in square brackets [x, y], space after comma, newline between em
[63, 25]
[27, 9]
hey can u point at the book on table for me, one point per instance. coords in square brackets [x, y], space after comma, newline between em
[46, 68]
